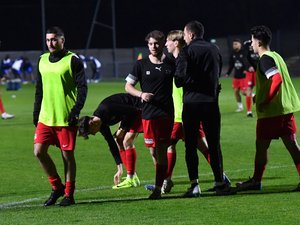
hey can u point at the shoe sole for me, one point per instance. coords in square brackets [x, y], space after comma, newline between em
[196, 195]
[239, 188]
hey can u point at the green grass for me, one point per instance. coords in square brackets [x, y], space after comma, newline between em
[24, 187]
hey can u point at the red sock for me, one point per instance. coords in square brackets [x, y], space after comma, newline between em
[70, 188]
[171, 163]
[258, 172]
[249, 103]
[130, 160]
[2, 110]
[55, 182]
[298, 168]
[123, 157]
[161, 171]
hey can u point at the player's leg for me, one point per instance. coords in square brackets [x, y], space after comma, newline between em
[260, 162]
[119, 136]
[162, 128]
[43, 138]
[292, 146]
[70, 175]
[249, 84]
[46, 162]
[132, 179]
[66, 141]
[237, 95]
[191, 121]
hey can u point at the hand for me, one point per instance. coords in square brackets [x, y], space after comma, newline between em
[226, 75]
[118, 175]
[147, 97]
[73, 119]
[251, 69]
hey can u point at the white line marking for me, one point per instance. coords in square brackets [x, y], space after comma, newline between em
[21, 204]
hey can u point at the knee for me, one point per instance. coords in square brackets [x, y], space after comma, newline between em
[128, 143]
[38, 153]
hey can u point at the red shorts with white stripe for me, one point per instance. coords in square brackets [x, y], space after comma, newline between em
[157, 131]
[63, 137]
[250, 79]
[275, 127]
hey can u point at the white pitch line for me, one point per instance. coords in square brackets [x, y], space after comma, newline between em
[20, 204]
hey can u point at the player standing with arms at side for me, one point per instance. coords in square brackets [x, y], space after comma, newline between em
[198, 68]
[276, 102]
[60, 95]
[155, 75]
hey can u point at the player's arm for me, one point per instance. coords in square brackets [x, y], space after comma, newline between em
[80, 80]
[131, 81]
[38, 97]
[105, 131]
[269, 68]
[231, 66]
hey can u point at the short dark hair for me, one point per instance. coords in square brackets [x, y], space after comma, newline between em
[196, 28]
[157, 35]
[55, 30]
[237, 40]
[263, 34]
[83, 129]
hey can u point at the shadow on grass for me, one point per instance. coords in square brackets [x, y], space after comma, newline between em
[275, 189]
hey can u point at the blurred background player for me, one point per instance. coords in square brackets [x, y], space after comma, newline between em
[5, 65]
[95, 67]
[116, 108]
[237, 62]
[276, 103]
[27, 71]
[4, 114]
[250, 79]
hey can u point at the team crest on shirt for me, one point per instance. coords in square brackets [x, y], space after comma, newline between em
[147, 72]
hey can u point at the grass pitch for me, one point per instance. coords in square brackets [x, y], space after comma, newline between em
[24, 187]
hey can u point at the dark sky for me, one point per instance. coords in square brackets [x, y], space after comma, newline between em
[21, 27]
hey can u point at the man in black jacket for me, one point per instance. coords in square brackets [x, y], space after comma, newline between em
[198, 69]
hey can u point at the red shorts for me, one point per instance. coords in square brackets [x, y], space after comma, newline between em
[250, 79]
[239, 84]
[137, 126]
[275, 127]
[157, 131]
[177, 132]
[63, 137]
